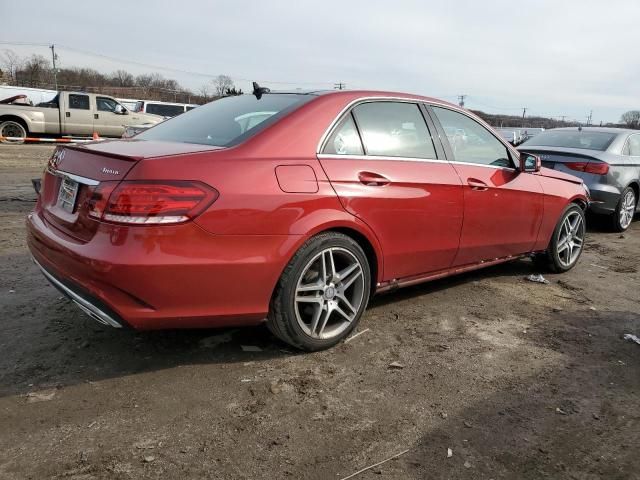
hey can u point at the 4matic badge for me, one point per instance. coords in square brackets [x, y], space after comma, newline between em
[110, 171]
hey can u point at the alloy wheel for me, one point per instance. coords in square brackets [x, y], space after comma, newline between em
[329, 293]
[627, 209]
[570, 239]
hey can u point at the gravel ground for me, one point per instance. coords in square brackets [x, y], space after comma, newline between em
[520, 380]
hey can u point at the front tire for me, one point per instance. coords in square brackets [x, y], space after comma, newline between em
[12, 128]
[322, 293]
[625, 210]
[567, 241]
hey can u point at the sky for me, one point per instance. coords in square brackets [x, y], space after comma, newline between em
[554, 57]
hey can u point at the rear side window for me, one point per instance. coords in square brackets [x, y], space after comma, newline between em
[394, 129]
[79, 102]
[470, 141]
[634, 145]
[164, 110]
[228, 121]
[345, 139]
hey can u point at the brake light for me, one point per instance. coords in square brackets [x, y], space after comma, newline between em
[597, 168]
[144, 203]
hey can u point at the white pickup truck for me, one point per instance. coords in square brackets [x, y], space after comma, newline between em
[71, 113]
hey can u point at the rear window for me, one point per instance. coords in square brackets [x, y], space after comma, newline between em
[164, 110]
[226, 122]
[572, 139]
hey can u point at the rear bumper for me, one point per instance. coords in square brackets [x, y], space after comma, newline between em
[604, 198]
[88, 304]
[163, 277]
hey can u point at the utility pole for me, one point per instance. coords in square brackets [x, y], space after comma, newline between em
[54, 57]
[562, 117]
[589, 118]
[461, 100]
[524, 112]
[339, 86]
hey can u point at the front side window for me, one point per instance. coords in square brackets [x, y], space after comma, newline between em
[105, 104]
[224, 122]
[345, 139]
[79, 102]
[394, 129]
[470, 141]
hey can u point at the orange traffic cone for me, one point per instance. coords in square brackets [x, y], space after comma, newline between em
[96, 136]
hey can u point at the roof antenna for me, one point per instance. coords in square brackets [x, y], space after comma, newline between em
[258, 91]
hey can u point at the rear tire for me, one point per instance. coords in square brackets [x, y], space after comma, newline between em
[322, 293]
[567, 241]
[625, 210]
[12, 128]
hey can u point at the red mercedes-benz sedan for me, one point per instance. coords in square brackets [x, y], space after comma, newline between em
[293, 208]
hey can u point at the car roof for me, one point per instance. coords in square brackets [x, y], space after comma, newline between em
[358, 94]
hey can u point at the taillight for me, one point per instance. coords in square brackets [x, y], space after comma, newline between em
[597, 168]
[139, 202]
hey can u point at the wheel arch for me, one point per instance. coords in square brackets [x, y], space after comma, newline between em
[359, 232]
[15, 118]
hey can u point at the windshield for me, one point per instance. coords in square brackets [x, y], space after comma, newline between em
[572, 139]
[226, 122]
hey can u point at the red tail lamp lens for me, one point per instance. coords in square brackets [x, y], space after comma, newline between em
[598, 168]
[151, 202]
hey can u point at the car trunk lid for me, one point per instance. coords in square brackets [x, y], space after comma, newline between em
[74, 174]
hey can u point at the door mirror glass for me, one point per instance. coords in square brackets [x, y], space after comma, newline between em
[529, 162]
[119, 109]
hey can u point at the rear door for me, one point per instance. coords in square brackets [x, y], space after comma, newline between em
[503, 207]
[77, 118]
[386, 169]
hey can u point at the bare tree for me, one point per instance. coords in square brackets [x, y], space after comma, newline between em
[35, 72]
[631, 118]
[204, 92]
[222, 83]
[122, 78]
[11, 63]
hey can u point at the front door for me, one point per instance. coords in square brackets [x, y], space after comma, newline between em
[383, 164]
[503, 207]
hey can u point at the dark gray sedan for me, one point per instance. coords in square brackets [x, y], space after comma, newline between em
[607, 160]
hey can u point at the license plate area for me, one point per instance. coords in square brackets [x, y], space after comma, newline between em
[67, 194]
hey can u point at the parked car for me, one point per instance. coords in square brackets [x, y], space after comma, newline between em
[607, 160]
[164, 109]
[209, 220]
[70, 113]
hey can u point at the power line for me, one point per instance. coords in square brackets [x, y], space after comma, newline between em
[155, 67]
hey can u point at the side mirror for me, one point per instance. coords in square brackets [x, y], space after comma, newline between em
[120, 110]
[530, 162]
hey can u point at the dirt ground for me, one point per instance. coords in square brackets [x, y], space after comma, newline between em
[520, 380]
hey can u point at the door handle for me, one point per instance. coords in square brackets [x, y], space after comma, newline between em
[96, 116]
[477, 185]
[67, 114]
[372, 179]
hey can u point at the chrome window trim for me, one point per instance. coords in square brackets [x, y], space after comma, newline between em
[76, 178]
[455, 162]
[378, 158]
[353, 103]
